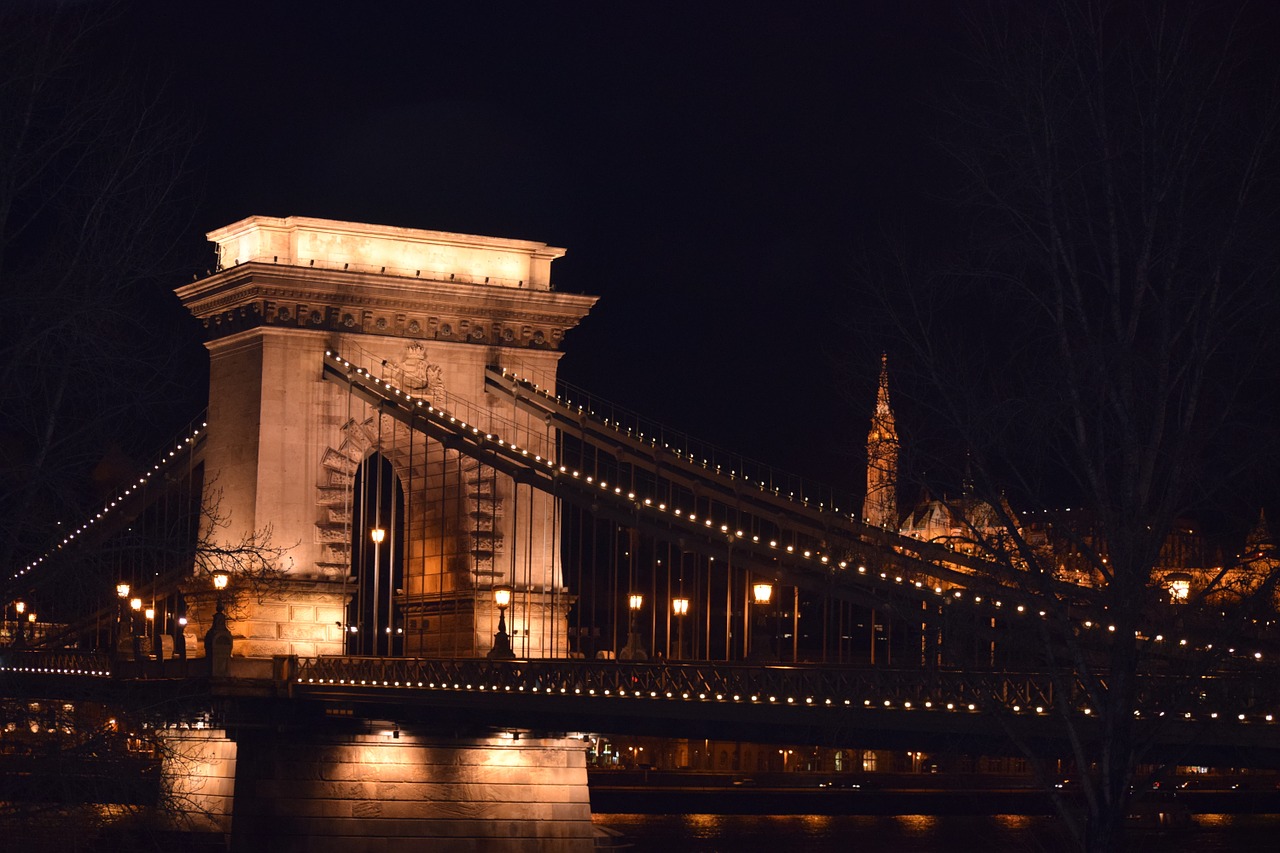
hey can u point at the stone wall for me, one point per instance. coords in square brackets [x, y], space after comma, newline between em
[380, 793]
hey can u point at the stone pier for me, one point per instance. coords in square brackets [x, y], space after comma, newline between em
[391, 790]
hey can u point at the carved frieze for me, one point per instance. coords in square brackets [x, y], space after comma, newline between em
[374, 321]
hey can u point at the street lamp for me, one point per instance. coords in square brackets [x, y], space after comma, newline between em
[634, 649]
[122, 593]
[220, 580]
[20, 607]
[679, 607]
[762, 649]
[135, 605]
[377, 534]
[217, 640]
[501, 641]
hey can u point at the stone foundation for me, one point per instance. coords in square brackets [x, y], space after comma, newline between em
[380, 793]
[199, 778]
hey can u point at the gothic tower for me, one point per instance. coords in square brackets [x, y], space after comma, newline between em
[880, 507]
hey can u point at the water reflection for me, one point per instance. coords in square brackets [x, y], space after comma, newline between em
[916, 833]
[917, 824]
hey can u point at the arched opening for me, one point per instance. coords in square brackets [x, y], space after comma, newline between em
[374, 623]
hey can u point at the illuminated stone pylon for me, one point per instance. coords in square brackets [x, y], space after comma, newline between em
[425, 311]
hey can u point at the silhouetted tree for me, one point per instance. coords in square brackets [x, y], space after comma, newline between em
[1108, 343]
[91, 170]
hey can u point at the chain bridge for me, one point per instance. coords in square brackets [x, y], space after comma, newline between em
[397, 555]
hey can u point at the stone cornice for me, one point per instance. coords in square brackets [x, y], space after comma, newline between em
[259, 294]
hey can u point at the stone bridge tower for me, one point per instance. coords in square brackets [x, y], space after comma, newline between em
[289, 450]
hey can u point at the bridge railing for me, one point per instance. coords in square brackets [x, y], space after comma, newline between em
[55, 662]
[1226, 697]
[740, 682]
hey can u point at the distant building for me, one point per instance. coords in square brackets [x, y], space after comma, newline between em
[1187, 566]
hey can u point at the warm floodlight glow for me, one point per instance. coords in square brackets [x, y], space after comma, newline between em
[122, 590]
[763, 592]
[502, 595]
[635, 601]
[680, 606]
[377, 534]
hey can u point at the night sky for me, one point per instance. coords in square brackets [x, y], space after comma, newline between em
[713, 170]
[721, 175]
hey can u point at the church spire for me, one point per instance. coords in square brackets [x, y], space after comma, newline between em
[1259, 539]
[880, 507]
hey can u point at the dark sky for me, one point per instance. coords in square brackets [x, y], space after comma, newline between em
[712, 169]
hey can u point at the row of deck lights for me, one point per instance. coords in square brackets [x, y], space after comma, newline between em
[107, 508]
[692, 518]
[58, 670]
[755, 698]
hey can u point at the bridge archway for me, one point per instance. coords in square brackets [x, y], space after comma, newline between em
[374, 623]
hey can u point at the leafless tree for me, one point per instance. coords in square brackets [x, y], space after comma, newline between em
[1106, 343]
[91, 204]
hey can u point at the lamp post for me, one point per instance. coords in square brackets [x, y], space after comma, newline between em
[501, 641]
[680, 608]
[634, 649]
[122, 593]
[217, 640]
[377, 534]
[220, 581]
[135, 608]
[20, 607]
[762, 648]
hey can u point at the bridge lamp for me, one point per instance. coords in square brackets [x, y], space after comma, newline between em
[378, 534]
[762, 592]
[135, 604]
[122, 590]
[501, 640]
[680, 607]
[634, 649]
[220, 580]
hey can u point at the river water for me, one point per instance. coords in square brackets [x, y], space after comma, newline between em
[914, 834]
